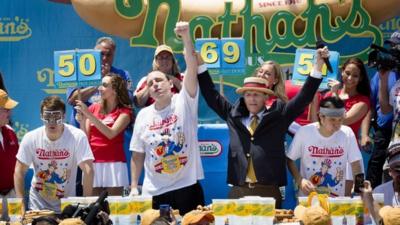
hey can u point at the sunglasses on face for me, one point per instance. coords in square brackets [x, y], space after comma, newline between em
[166, 57]
[52, 117]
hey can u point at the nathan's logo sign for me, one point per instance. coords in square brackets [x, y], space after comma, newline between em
[282, 30]
[271, 28]
[14, 29]
[210, 148]
[390, 26]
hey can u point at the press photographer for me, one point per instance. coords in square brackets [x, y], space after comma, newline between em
[383, 84]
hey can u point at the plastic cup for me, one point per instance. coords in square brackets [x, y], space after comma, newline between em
[303, 201]
[266, 212]
[14, 206]
[139, 204]
[379, 198]
[338, 208]
[223, 209]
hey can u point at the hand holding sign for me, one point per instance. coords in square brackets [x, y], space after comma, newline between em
[303, 65]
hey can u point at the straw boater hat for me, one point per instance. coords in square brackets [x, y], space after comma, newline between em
[255, 84]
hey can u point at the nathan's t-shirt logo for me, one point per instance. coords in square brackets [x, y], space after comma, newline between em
[164, 122]
[326, 151]
[52, 154]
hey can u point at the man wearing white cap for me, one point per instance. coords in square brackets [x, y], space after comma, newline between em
[256, 158]
[8, 151]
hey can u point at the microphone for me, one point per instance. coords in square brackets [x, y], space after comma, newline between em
[95, 208]
[321, 44]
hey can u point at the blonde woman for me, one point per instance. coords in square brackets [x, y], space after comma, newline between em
[272, 72]
[284, 91]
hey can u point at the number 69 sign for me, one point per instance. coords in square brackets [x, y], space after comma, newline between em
[222, 56]
[303, 65]
[77, 68]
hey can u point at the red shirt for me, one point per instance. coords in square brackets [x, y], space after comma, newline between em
[104, 149]
[7, 157]
[348, 103]
[291, 91]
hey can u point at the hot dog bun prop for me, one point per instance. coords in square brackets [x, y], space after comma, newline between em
[126, 18]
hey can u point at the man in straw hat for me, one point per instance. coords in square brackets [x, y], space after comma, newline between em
[256, 159]
[9, 149]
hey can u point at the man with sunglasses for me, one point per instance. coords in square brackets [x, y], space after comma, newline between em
[55, 150]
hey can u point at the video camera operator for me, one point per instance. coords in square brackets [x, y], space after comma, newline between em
[385, 104]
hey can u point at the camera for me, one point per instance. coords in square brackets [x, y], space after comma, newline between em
[88, 213]
[384, 59]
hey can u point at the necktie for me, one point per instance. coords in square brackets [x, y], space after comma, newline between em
[251, 175]
[253, 124]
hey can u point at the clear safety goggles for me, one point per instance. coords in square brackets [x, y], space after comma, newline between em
[53, 117]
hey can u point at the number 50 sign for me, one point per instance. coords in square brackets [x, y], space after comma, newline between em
[77, 68]
[303, 65]
[222, 56]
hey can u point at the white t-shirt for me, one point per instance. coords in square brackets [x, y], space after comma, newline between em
[168, 138]
[394, 101]
[324, 159]
[54, 164]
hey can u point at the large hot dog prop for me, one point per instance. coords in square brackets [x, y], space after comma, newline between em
[110, 15]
